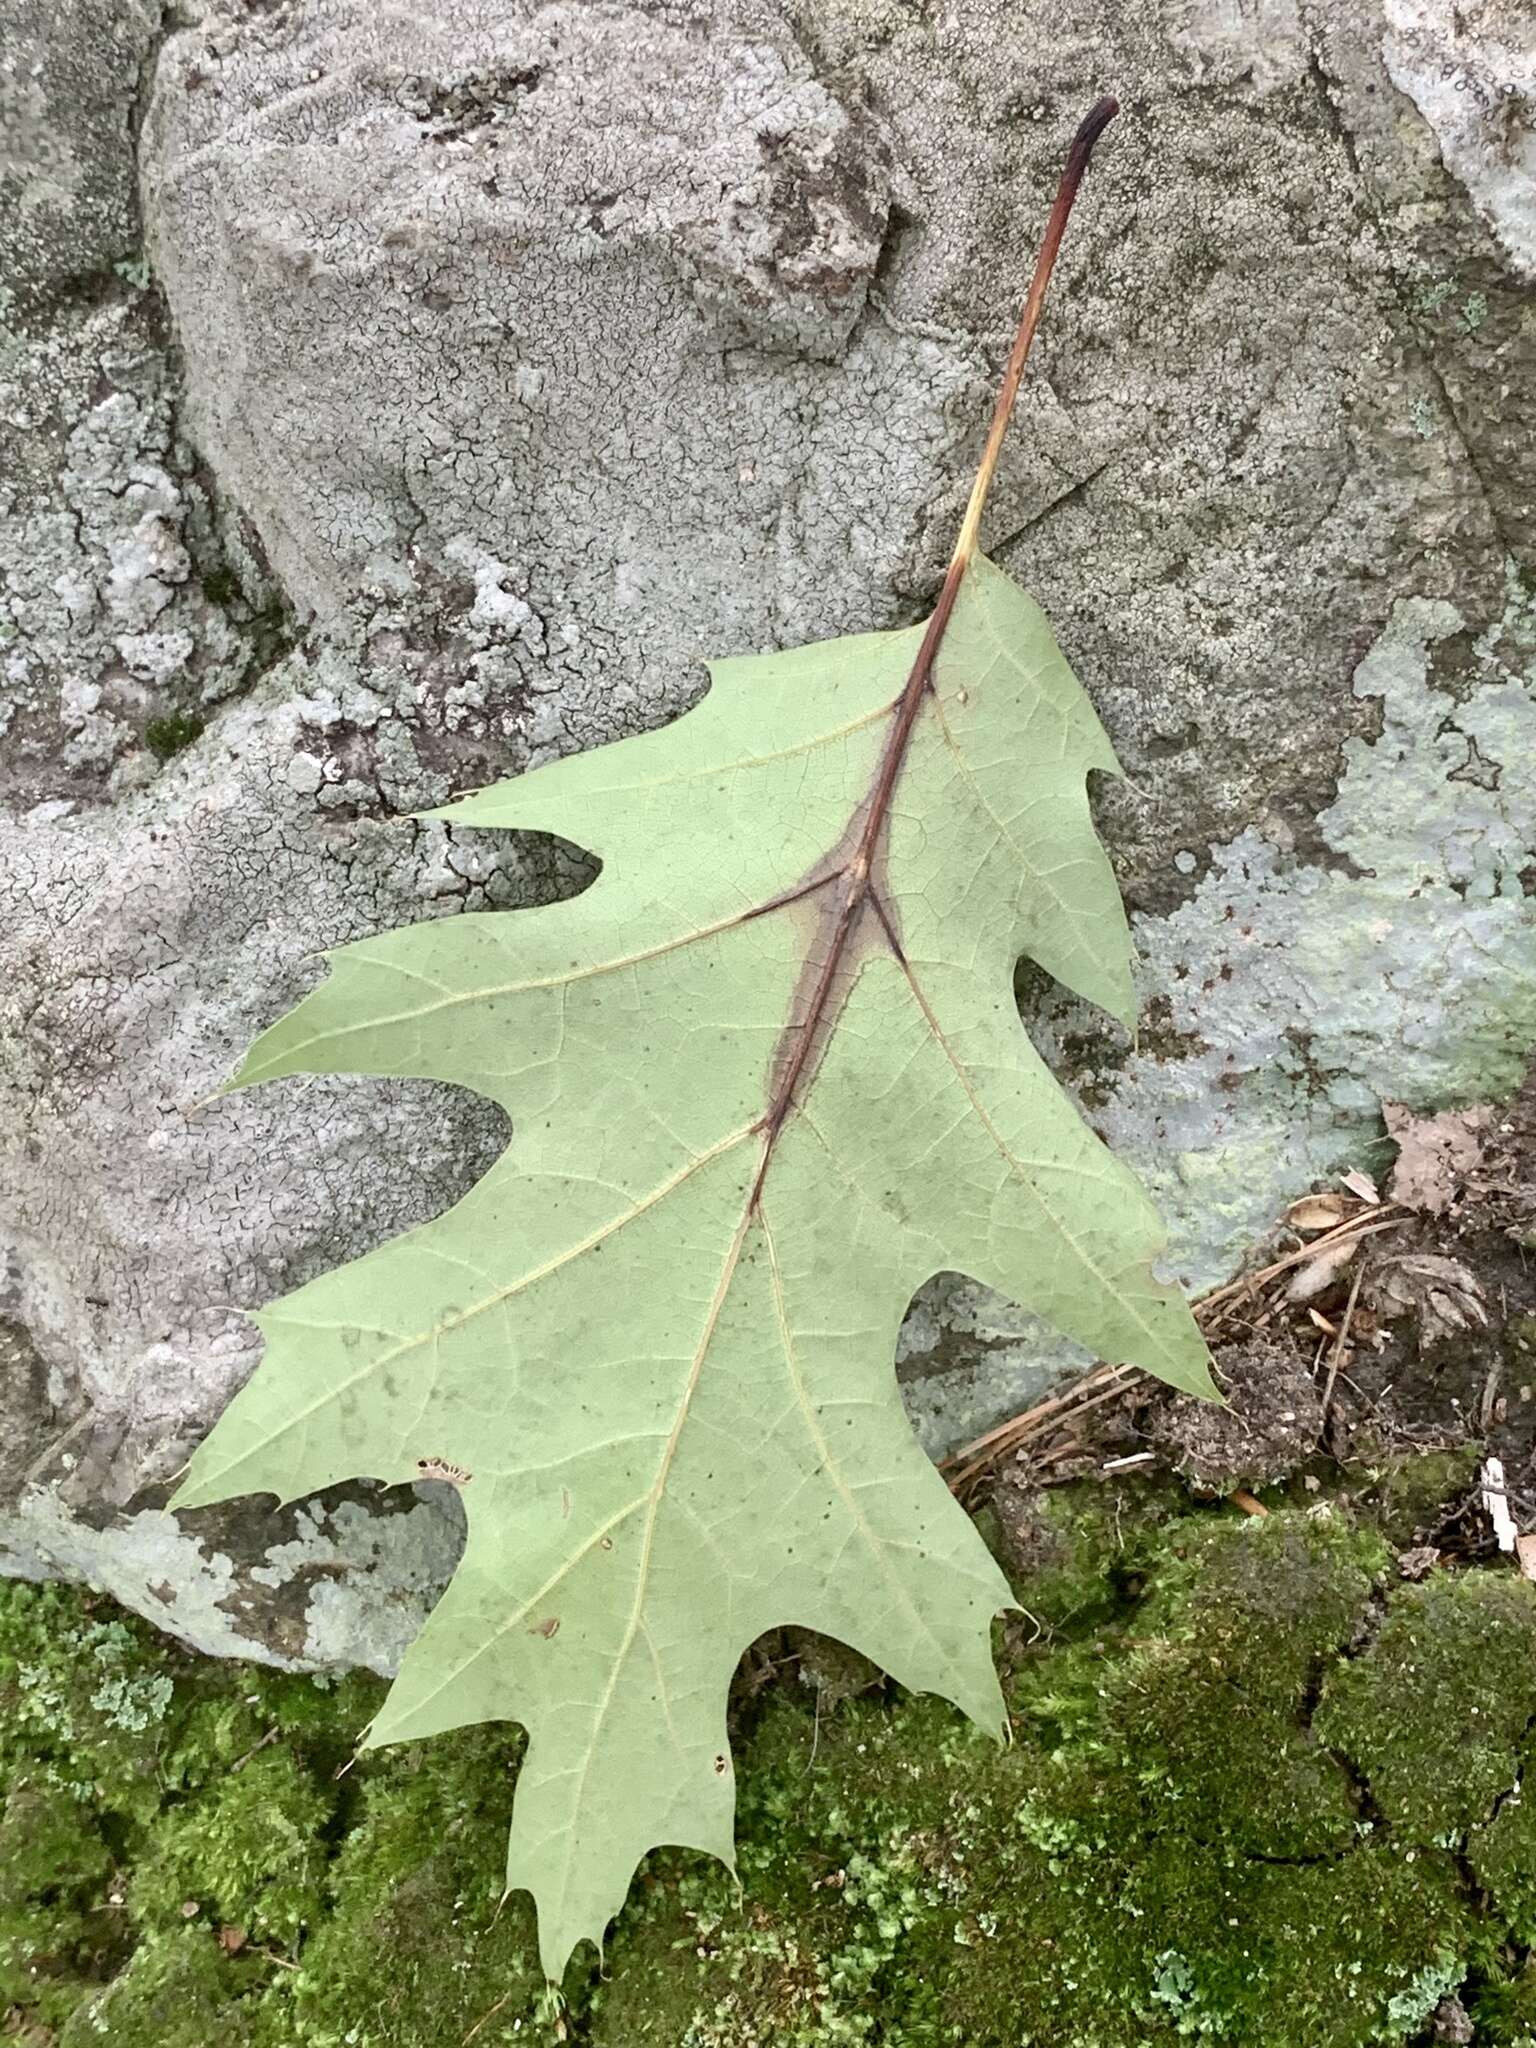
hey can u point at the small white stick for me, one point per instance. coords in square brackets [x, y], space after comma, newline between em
[1495, 1504]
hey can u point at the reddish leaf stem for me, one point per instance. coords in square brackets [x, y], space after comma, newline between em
[856, 875]
[1087, 135]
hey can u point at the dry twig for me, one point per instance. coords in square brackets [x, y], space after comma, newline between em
[485, 2019]
[1094, 1388]
[1340, 1342]
[241, 1761]
[1217, 1310]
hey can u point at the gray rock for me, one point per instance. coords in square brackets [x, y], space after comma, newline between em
[1473, 78]
[71, 76]
[512, 359]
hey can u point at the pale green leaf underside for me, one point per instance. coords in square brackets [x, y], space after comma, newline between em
[679, 1411]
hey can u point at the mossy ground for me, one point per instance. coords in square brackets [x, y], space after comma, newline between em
[1259, 1792]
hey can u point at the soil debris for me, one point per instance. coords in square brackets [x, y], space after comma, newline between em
[1417, 1563]
[1271, 1424]
[1443, 1294]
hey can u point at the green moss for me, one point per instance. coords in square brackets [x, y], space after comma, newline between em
[1267, 1593]
[842, 1858]
[1504, 2011]
[1247, 1616]
[1163, 1852]
[1408, 1498]
[59, 1933]
[1502, 1855]
[1326, 1954]
[168, 735]
[970, 1897]
[1435, 1713]
[184, 1992]
[150, 1795]
[249, 1850]
[1251, 1798]
[84, 1697]
[1084, 1557]
[416, 1948]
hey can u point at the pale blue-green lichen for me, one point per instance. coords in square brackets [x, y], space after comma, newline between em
[371, 1578]
[1405, 971]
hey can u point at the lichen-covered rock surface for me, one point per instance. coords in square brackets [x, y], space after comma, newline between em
[394, 398]
[1260, 1791]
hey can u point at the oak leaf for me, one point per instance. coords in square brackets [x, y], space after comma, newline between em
[766, 1076]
